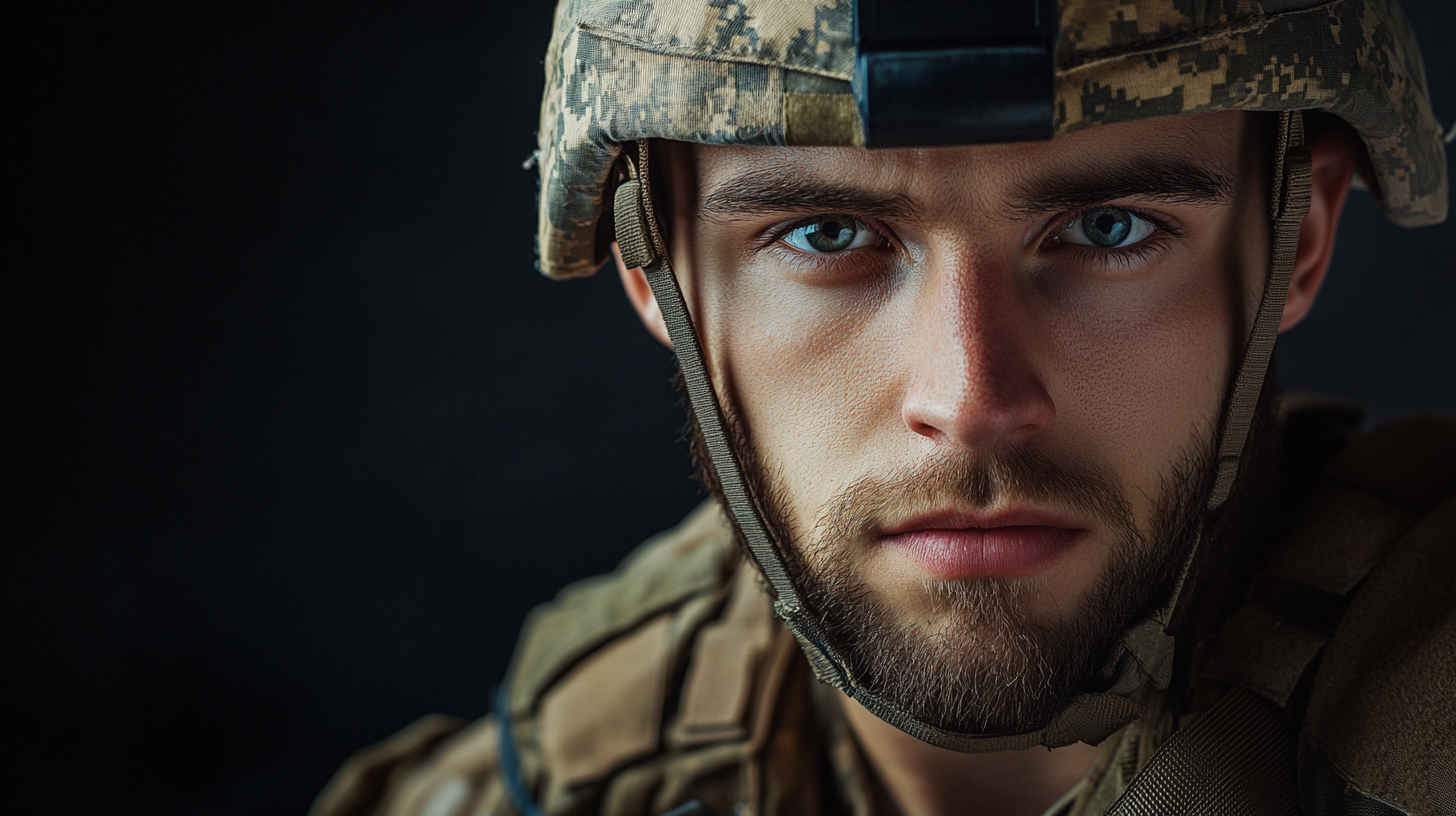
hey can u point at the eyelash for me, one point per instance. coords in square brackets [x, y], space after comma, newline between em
[1122, 259]
[773, 240]
[778, 232]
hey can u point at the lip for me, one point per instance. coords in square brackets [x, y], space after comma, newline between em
[960, 544]
[954, 519]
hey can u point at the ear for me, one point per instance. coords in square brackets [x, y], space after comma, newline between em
[640, 294]
[1333, 166]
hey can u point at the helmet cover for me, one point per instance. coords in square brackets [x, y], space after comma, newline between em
[777, 72]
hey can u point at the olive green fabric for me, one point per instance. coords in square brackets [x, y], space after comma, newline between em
[1289, 204]
[763, 72]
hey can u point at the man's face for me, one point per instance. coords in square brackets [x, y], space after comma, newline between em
[977, 385]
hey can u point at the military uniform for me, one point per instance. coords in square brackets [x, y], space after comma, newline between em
[1314, 672]
[669, 681]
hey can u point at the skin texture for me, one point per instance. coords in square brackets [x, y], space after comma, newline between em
[970, 324]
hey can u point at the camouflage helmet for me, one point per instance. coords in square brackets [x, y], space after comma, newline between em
[778, 72]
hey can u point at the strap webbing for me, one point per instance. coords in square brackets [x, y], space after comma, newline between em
[634, 216]
[1289, 204]
[704, 400]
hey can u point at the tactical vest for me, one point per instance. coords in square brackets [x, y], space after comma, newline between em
[667, 687]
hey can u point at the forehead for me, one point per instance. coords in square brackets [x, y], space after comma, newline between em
[1216, 143]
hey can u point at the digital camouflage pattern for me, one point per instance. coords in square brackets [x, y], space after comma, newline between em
[776, 72]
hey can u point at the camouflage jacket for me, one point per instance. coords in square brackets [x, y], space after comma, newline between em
[669, 682]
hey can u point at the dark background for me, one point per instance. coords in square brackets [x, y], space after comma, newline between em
[294, 435]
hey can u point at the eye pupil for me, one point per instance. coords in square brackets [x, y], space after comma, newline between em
[830, 234]
[1107, 226]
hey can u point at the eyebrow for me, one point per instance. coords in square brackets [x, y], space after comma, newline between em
[780, 191]
[1164, 179]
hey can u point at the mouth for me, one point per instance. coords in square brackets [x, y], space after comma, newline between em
[958, 545]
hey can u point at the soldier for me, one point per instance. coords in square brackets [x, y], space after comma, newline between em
[975, 313]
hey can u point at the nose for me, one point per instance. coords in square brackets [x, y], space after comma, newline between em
[974, 383]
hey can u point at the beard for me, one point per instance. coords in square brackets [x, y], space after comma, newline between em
[974, 660]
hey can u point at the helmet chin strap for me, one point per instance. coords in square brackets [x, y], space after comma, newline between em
[1144, 655]
[1288, 204]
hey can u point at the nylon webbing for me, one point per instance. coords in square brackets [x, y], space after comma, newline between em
[704, 400]
[1289, 204]
[654, 262]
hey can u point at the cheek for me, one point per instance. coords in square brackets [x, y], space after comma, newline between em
[1143, 368]
[812, 374]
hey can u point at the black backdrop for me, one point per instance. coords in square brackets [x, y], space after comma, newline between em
[294, 435]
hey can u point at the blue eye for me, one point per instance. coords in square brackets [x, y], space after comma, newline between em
[1106, 228]
[830, 233]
